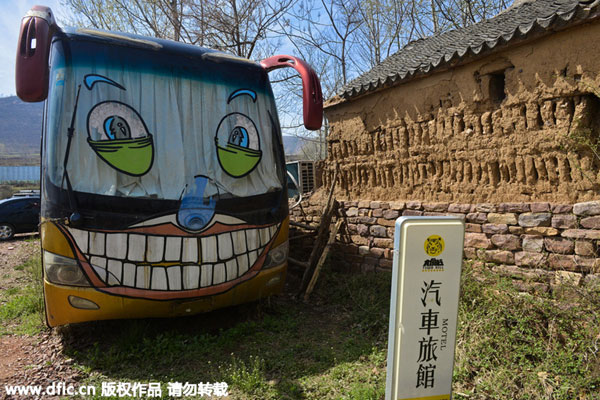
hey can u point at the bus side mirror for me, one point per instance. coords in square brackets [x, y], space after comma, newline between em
[312, 98]
[32, 71]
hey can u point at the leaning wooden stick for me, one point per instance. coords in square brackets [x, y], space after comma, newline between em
[320, 242]
[322, 259]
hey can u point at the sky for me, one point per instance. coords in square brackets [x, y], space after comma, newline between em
[11, 12]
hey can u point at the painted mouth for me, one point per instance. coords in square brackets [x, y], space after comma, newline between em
[156, 266]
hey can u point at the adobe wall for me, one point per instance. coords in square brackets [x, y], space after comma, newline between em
[451, 137]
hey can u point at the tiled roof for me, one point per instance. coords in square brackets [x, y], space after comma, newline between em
[426, 55]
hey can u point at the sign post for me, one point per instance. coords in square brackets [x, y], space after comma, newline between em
[428, 254]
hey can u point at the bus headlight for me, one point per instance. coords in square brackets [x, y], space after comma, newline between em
[63, 270]
[277, 256]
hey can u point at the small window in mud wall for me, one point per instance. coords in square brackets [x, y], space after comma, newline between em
[496, 86]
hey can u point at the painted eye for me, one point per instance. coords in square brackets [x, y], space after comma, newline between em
[116, 127]
[118, 135]
[238, 145]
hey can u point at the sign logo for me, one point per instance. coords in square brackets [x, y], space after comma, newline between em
[434, 245]
[433, 265]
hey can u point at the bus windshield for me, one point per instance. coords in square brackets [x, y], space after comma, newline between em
[154, 122]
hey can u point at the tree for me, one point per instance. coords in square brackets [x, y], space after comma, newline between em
[238, 27]
[381, 31]
[323, 30]
[460, 13]
[159, 18]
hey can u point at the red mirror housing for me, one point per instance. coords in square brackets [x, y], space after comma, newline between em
[32, 71]
[312, 98]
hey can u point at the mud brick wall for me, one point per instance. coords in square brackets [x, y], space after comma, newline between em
[538, 242]
[506, 127]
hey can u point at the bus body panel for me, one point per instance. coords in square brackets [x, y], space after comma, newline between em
[60, 310]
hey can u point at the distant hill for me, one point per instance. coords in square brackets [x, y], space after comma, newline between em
[21, 127]
[292, 145]
[20, 131]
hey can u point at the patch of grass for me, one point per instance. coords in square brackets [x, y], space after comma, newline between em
[364, 299]
[22, 311]
[247, 376]
[287, 350]
[10, 292]
[515, 345]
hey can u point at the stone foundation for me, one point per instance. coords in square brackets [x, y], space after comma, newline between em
[541, 242]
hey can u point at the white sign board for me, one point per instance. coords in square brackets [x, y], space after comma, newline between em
[428, 254]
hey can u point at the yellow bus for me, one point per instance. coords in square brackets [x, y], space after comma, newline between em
[163, 173]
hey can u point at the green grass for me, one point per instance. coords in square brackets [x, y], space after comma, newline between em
[286, 350]
[510, 345]
[515, 345]
[22, 310]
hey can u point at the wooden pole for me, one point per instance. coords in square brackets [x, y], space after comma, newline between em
[322, 259]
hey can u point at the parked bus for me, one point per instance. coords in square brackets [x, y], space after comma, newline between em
[163, 173]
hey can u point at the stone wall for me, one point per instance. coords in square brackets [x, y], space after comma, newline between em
[508, 127]
[539, 242]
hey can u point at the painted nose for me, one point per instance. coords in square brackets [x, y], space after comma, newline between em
[196, 210]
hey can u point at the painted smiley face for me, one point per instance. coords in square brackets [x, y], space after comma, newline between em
[189, 253]
[157, 259]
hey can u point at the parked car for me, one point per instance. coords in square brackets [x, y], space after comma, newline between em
[18, 214]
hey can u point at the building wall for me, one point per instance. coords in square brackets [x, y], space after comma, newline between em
[538, 244]
[494, 130]
[27, 173]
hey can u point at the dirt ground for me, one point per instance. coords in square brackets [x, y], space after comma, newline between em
[29, 360]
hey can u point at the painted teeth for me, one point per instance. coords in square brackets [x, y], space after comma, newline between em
[191, 276]
[209, 249]
[190, 250]
[119, 258]
[115, 270]
[218, 274]
[239, 242]
[225, 246]
[174, 275]
[137, 247]
[129, 271]
[118, 243]
[159, 278]
[97, 243]
[156, 249]
[173, 250]
[206, 278]
[142, 277]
